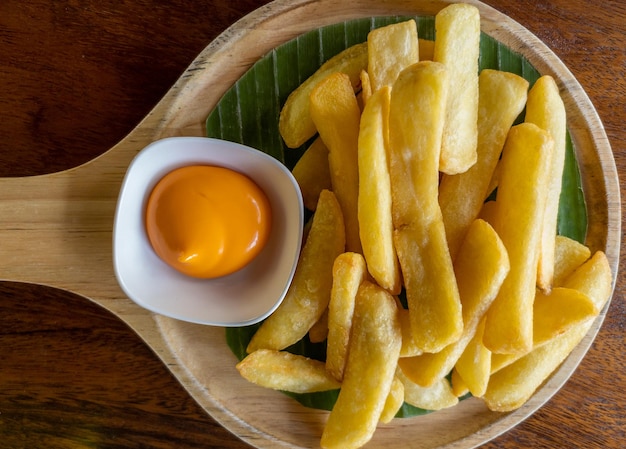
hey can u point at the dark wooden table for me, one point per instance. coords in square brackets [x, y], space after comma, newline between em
[75, 77]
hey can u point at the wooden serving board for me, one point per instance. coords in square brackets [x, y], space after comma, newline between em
[56, 230]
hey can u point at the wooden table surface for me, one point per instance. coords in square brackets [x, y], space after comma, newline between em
[77, 76]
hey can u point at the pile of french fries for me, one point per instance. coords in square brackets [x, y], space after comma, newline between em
[411, 141]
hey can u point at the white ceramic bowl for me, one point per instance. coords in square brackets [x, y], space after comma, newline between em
[242, 298]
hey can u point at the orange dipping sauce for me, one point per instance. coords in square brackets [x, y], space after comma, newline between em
[207, 221]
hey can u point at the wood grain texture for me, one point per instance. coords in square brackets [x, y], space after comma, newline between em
[78, 76]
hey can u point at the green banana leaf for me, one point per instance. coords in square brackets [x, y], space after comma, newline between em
[248, 113]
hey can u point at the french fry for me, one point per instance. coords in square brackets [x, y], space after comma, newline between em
[295, 123]
[391, 49]
[410, 347]
[510, 387]
[366, 87]
[309, 292]
[480, 269]
[312, 173]
[394, 401]
[457, 46]
[436, 397]
[555, 313]
[282, 370]
[593, 278]
[349, 271]
[520, 206]
[545, 109]
[375, 343]
[374, 201]
[426, 49]
[474, 365]
[569, 255]
[459, 387]
[319, 331]
[416, 116]
[336, 114]
[501, 100]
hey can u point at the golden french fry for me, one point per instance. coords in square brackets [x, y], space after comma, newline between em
[390, 49]
[375, 343]
[545, 109]
[374, 201]
[459, 387]
[309, 293]
[295, 123]
[409, 347]
[319, 331]
[481, 266]
[488, 212]
[520, 205]
[336, 114]
[426, 49]
[416, 117]
[394, 401]
[312, 173]
[511, 386]
[349, 271]
[555, 313]
[474, 364]
[593, 278]
[501, 100]
[569, 255]
[436, 397]
[366, 87]
[282, 370]
[457, 46]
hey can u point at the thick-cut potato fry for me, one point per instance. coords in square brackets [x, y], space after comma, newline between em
[593, 278]
[474, 365]
[282, 370]
[309, 293]
[374, 202]
[480, 269]
[569, 255]
[555, 313]
[295, 123]
[416, 117]
[436, 397]
[375, 343]
[312, 173]
[426, 49]
[319, 331]
[366, 87]
[511, 386]
[501, 99]
[349, 271]
[336, 114]
[520, 205]
[457, 46]
[394, 401]
[459, 387]
[545, 109]
[391, 49]
[409, 347]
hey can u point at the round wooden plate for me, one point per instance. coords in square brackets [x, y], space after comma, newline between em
[67, 219]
